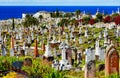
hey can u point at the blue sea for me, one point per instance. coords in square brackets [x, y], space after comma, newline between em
[7, 12]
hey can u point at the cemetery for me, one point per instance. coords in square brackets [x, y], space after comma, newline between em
[61, 45]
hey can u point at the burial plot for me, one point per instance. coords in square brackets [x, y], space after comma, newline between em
[111, 61]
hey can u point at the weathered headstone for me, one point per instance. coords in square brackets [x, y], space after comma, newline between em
[80, 40]
[90, 69]
[79, 58]
[27, 62]
[3, 50]
[12, 47]
[97, 49]
[111, 61]
[87, 56]
[69, 55]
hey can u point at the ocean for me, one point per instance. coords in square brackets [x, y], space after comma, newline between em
[7, 12]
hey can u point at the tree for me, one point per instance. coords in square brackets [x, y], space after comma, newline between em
[30, 20]
[99, 17]
[92, 21]
[86, 20]
[57, 13]
[73, 22]
[77, 13]
[13, 24]
[117, 20]
[107, 19]
[114, 15]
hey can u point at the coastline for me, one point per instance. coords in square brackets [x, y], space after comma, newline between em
[7, 12]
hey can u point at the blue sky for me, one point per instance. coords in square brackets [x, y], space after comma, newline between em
[60, 2]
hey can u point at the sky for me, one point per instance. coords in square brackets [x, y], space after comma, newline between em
[59, 2]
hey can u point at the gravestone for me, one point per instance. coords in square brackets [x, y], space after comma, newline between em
[80, 40]
[97, 49]
[86, 33]
[79, 58]
[12, 47]
[48, 52]
[111, 61]
[90, 69]
[27, 62]
[3, 50]
[87, 55]
[102, 54]
[92, 54]
[69, 55]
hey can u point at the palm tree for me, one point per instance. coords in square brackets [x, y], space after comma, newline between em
[30, 20]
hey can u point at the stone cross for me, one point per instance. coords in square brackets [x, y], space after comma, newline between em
[63, 46]
[111, 60]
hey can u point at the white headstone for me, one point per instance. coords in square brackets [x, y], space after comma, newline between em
[87, 56]
[3, 50]
[86, 33]
[48, 51]
[80, 40]
[102, 54]
[92, 54]
[11, 52]
[97, 48]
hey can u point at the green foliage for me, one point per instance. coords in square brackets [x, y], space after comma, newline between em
[114, 15]
[77, 13]
[99, 17]
[30, 20]
[54, 74]
[86, 19]
[113, 76]
[63, 22]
